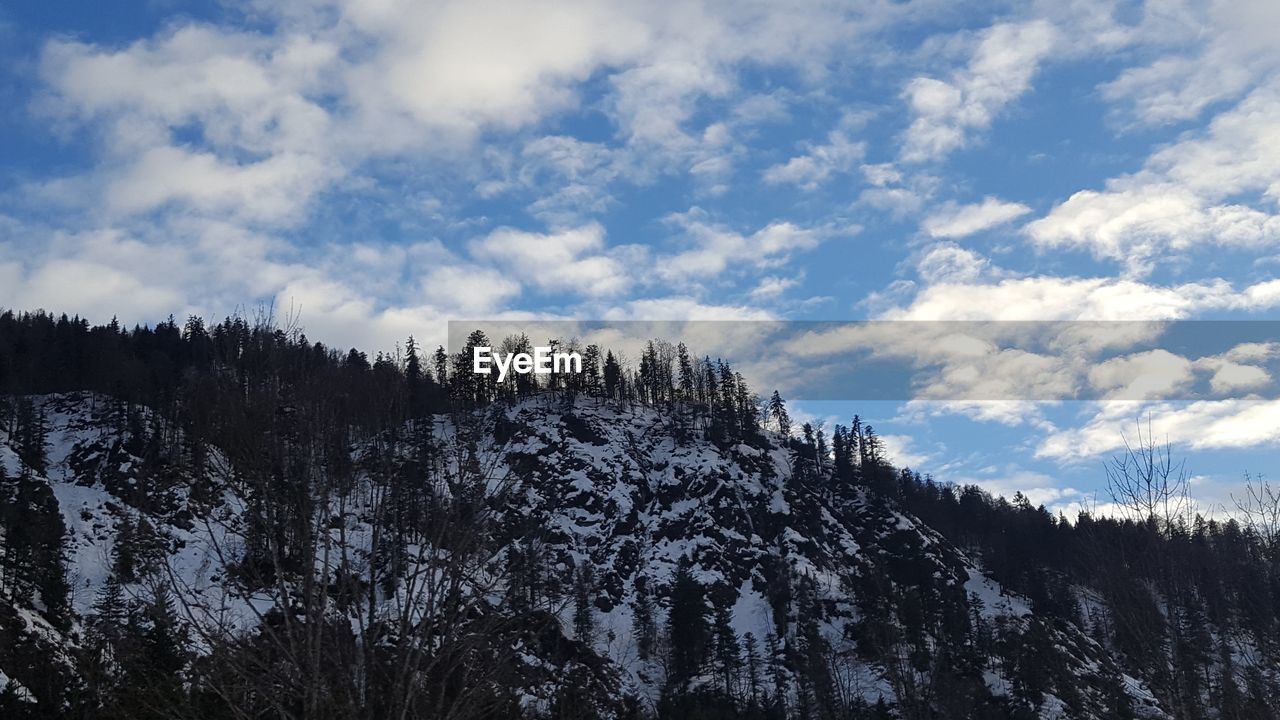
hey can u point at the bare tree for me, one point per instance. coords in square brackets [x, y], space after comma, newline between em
[1146, 483]
[1260, 508]
[342, 618]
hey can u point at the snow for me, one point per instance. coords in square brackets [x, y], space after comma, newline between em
[996, 602]
[635, 506]
[16, 689]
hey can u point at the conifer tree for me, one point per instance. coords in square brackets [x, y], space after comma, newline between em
[710, 387]
[612, 377]
[777, 675]
[441, 361]
[414, 379]
[751, 662]
[31, 437]
[728, 659]
[685, 372]
[591, 369]
[583, 612]
[687, 626]
[747, 410]
[778, 413]
[645, 627]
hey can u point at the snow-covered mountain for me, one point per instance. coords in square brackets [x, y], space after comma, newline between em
[600, 521]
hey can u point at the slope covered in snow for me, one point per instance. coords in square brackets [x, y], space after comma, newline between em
[823, 592]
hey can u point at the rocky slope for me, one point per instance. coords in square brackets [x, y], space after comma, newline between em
[847, 599]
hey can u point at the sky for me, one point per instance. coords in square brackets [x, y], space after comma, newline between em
[381, 167]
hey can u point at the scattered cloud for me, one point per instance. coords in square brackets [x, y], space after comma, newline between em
[1149, 375]
[957, 221]
[715, 249]
[1079, 298]
[571, 260]
[1190, 194]
[1220, 49]
[1201, 425]
[948, 112]
[948, 263]
[819, 163]
[900, 450]
[772, 286]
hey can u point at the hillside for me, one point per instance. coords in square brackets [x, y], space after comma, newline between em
[250, 543]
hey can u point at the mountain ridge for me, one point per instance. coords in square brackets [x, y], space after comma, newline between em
[613, 490]
[234, 521]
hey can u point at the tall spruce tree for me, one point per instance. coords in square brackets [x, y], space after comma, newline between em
[688, 627]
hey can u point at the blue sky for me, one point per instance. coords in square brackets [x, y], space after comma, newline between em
[388, 165]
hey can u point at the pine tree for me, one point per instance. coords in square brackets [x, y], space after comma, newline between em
[104, 648]
[728, 413]
[645, 627]
[591, 369]
[685, 371]
[414, 379]
[710, 388]
[687, 627]
[34, 548]
[777, 675]
[583, 614]
[823, 450]
[778, 413]
[748, 410]
[31, 439]
[727, 653]
[10, 549]
[441, 362]
[840, 455]
[1231, 705]
[857, 451]
[612, 377]
[157, 656]
[467, 386]
[752, 662]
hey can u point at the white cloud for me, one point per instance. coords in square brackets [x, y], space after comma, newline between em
[1253, 352]
[78, 284]
[1205, 424]
[999, 71]
[1010, 413]
[900, 450]
[1140, 225]
[325, 87]
[1148, 375]
[882, 174]
[468, 289]
[1218, 51]
[772, 286]
[489, 63]
[1037, 487]
[816, 166]
[717, 249]
[246, 91]
[682, 308]
[1192, 193]
[898, 201]
[214, 135]
[1237, 370]
[950, 263]
[956, 221]
[274, 190]
[573, 259]
[1074, 298]
[1232, 377]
